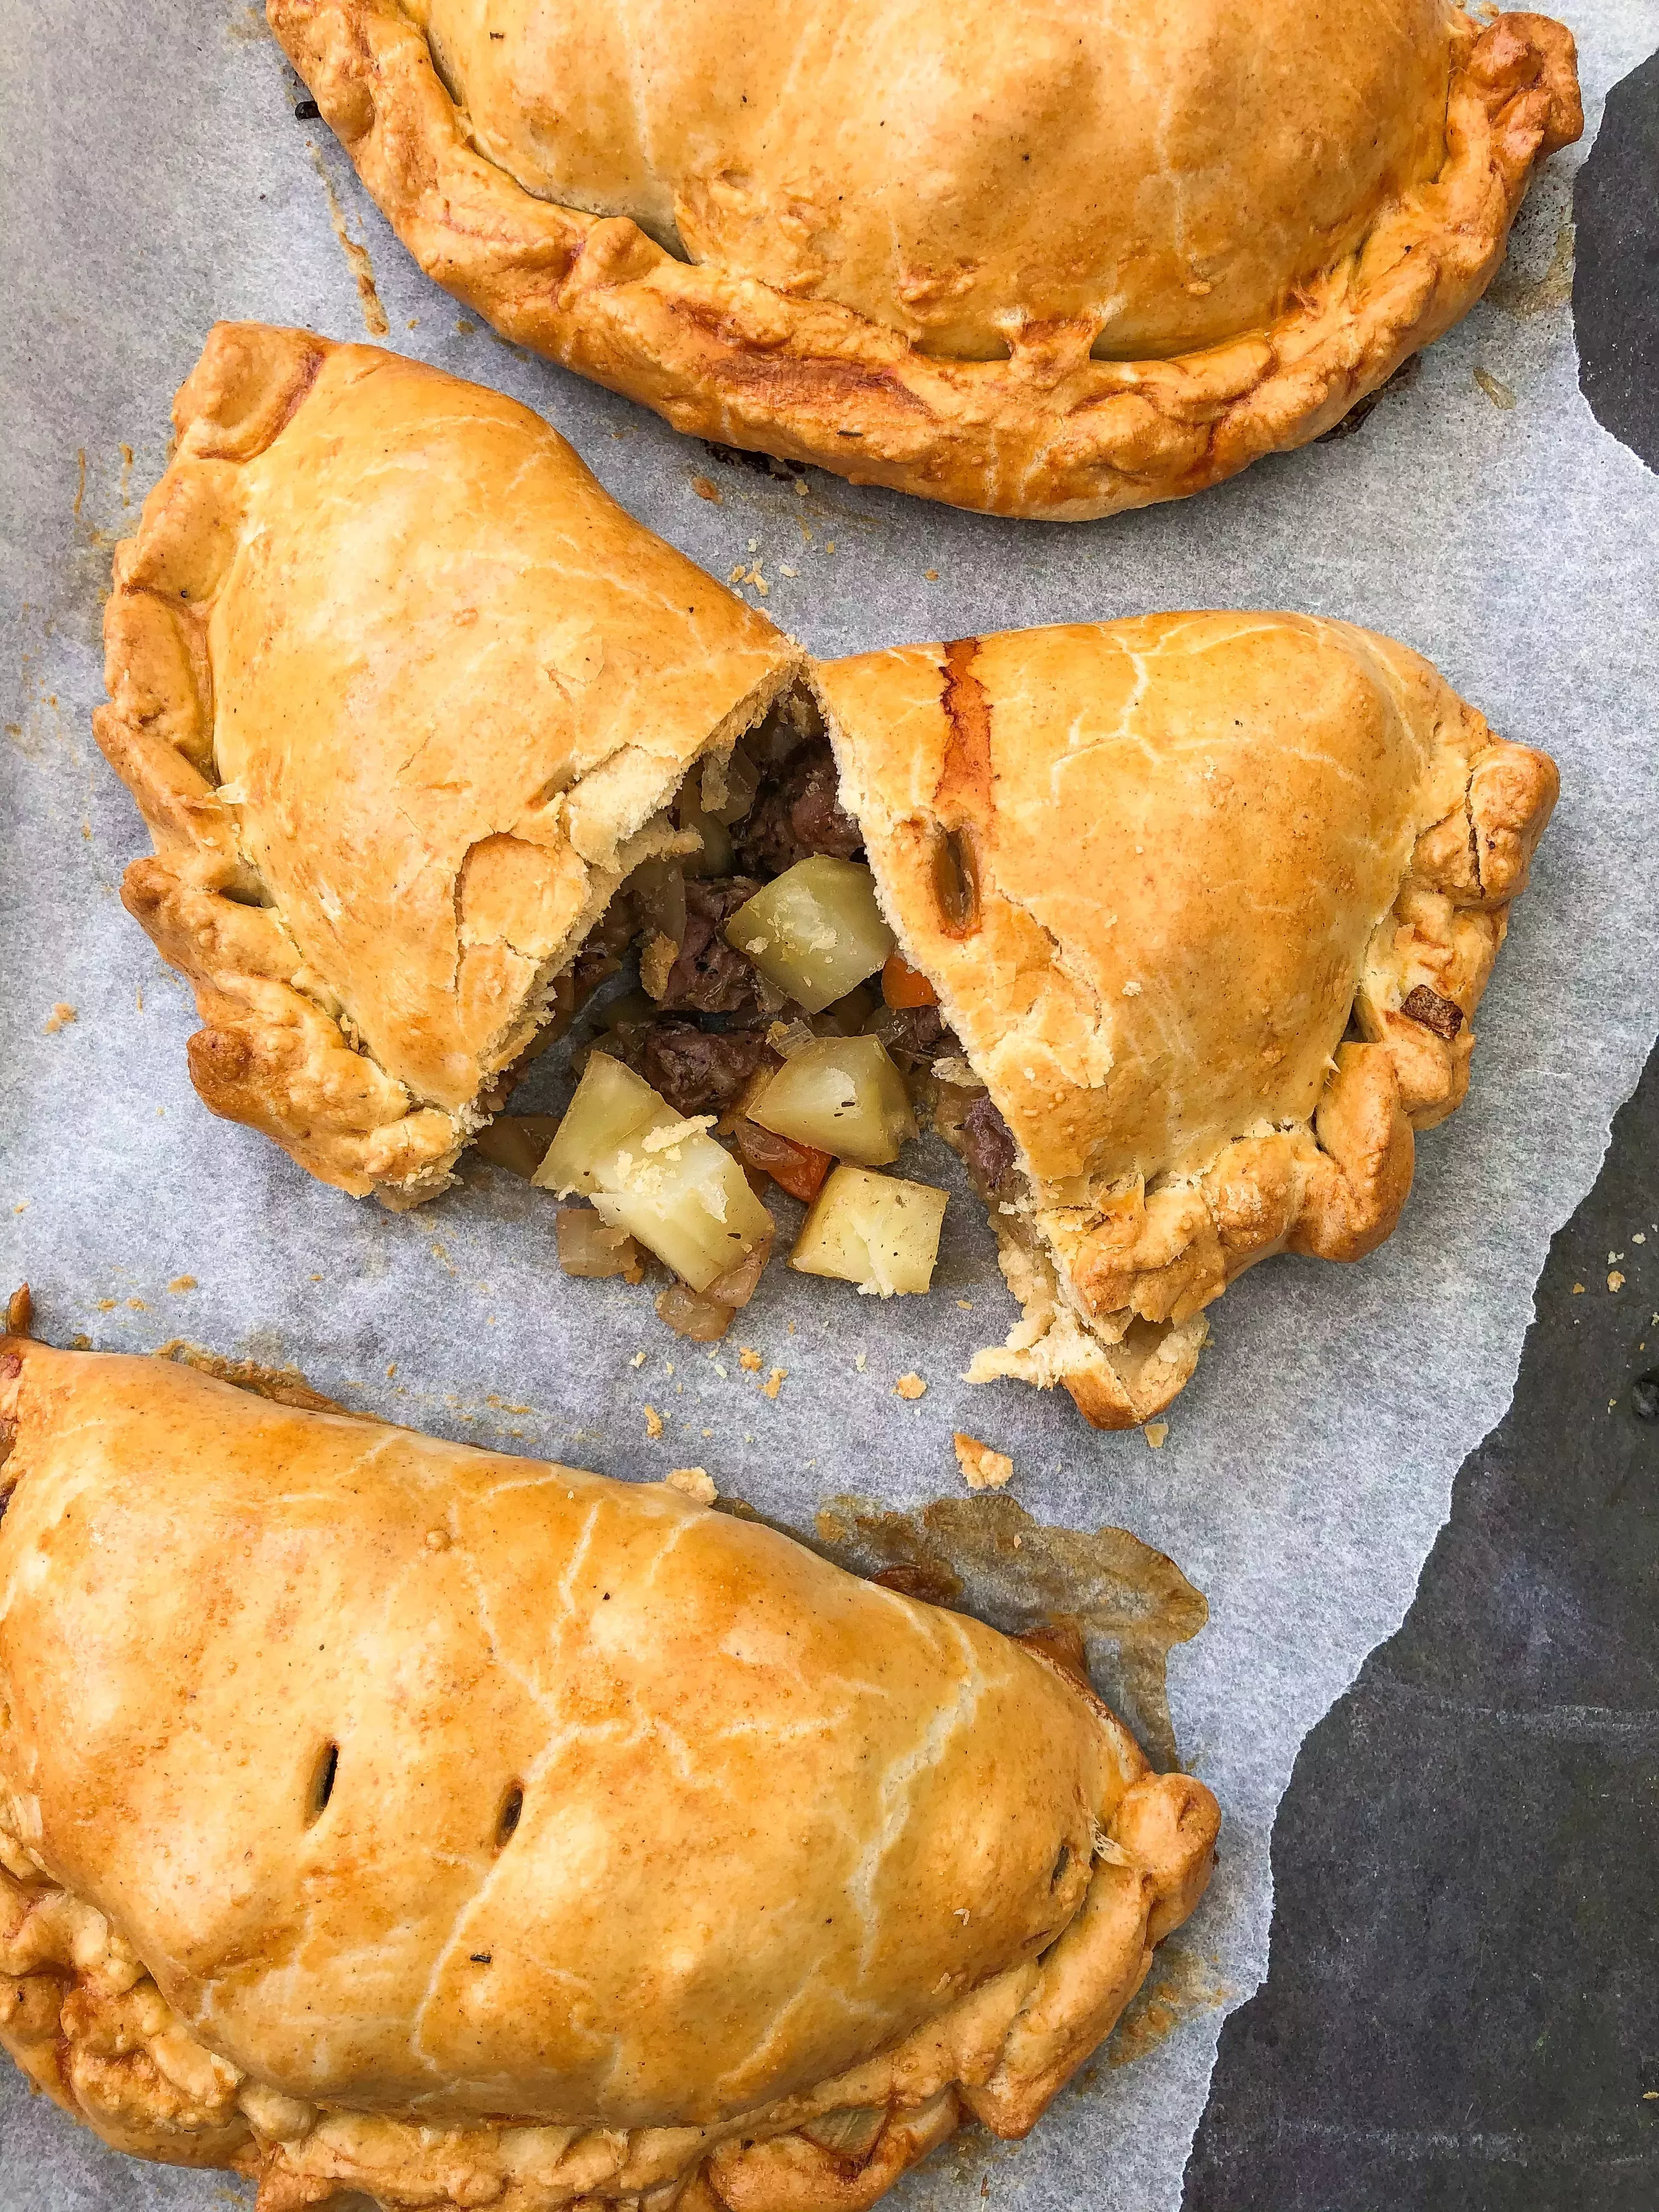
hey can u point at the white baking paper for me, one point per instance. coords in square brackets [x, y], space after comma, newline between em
[156, 179]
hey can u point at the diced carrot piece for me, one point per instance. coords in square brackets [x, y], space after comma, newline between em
[901, 985]
[797, 1168]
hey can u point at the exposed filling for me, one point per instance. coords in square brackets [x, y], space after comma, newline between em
[774, 1036]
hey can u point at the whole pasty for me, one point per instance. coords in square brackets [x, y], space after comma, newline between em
[1050, 261]
[381, 1814]
[1196, 911]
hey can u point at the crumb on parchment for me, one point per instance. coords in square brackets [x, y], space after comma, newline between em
[59, 1018]
[652, 1422]
[182, 1283]
[1615, 1281]
[773, 1382]
[910, 1386]
[695, 1481]
[1155, 1432]
[748, 1359]
[982, 1468]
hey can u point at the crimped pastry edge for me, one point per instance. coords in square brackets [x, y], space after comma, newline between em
[1050, 434]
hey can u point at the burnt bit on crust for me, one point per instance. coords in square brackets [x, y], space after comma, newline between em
[1444, 1016]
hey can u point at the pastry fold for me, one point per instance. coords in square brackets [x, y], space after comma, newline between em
[377, 1813]
[1209, 900]
[1054, 265]
[401, 693]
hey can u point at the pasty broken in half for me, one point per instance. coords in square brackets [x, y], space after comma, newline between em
[1176, 927]
[464, 1830]
[1054, 261]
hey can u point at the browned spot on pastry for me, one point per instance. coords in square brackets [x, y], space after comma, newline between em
[1443, 1015]
[964, 781]
[780, 380]
[955, 882]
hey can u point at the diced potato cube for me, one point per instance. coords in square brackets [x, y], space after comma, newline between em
[612, 1108]
[662, 1179]
[815, 930]
[876, 1230]
[689, 1201]
[841, 1095]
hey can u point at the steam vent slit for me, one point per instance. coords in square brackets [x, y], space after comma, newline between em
[508, 1819]
[322, 1784]
[955, 882]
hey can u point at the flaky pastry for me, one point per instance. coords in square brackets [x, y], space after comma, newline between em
[401, 693]
[382, 1815]
[1209, 900]
[1052, 263]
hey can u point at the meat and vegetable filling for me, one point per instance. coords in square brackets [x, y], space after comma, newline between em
[776, 1035]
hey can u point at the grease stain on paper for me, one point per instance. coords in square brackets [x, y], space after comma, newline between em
[357, 260]
[1180, 1987]
[988, 1555]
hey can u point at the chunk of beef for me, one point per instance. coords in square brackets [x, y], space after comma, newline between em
[711, 976]
[988, 1148]
[699, 1071]
[798, 811]
[912, 1035]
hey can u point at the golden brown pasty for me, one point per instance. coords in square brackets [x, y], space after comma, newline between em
[401, 693]
[1207, 901]
[1055, 262]
[381, 1814]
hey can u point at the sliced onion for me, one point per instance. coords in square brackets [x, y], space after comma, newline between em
[797, 1168]
[517, 1142]
[692, 1314]
[589, 1246]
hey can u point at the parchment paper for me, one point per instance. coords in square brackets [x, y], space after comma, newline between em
[156, 178]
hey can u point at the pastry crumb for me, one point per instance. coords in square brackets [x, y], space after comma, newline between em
[695, 1481]
[773, 1382]
[1615, 1281]
[638, 1360]
[652, 1422]
[188, 1283]
[910, 1386]
[706, 488]
[982, 1468]
[390, 1369]
[437, 1540]
[800, 487]
[860, 1360]
[137, 1305]
[655, 963]
[1132, 990]
[1155, 1432]
[106, 1305]
[967, 1305]
[1578, 1289]
[59, 1018]
[748, 1357]
[1640, 1238]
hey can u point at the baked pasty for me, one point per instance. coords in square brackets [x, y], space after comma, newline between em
[1209, 901]
[1052, 264]
[401, 693]
[465, 1830]
[1181, 922]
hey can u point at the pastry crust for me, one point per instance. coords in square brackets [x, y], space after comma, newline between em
[400, 692]
[1260, 212]
[465, 1829]
[1234, 884]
